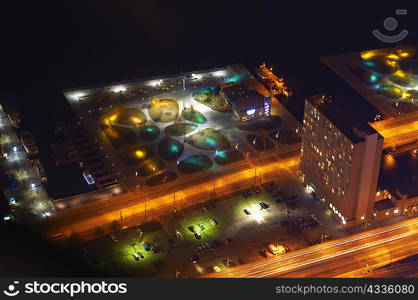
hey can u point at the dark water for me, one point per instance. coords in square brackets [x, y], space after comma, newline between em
[53, 45]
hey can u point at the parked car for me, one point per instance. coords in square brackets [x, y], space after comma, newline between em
[213, 222]
[194, 259]
[146, 246]
[265, 253]
[216, 269]
[316, 220]
[154, 249]
[284, 222]
[247, 211]
[136, 256]
[197, 236]
[201, 227]
[263, 205]
[191, 228]
[273, 249]
[114, 237]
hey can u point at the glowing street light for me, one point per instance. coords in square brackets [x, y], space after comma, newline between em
[119, 89]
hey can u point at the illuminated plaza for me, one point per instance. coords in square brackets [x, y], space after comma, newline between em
[174, 130]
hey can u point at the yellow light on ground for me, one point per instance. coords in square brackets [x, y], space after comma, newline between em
[367, 54]
[113, 117]
[391, 63]
[136, 120]
[400, 73]
[389, 161]
[404, 54]
[393, 56]
[140, 153]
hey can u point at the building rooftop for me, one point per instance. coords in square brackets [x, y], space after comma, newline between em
[387, 78]
[384, 204]
[242, 97]
[347, 111]
[399, 173]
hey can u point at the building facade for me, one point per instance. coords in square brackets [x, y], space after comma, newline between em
[340, 166]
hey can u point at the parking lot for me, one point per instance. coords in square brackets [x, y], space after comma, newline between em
[217, 234]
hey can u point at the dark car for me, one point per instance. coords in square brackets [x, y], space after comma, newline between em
[191, 228]
[154, 249]
[247, 211]
[195, 259]
[284, 222]
[263, 205]
[197, 236]
[146, 246]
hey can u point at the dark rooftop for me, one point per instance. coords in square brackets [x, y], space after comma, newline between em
[399, 174]
[384, 204]
[346, 110]
[242, 97]
[347, 107]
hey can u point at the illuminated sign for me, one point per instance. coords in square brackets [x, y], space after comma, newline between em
[88, 177]
[250, 111]
[267, 101]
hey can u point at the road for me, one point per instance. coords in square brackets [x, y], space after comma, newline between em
[354, 256]
[399, 131]
[104, 213]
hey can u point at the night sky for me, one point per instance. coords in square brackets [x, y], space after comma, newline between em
[47, 46]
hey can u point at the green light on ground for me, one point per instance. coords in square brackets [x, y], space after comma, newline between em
[234, 78]
[149, 129]
[173, 148]
[211, 141]
[369, 63]
[221, 154]
[374, 78]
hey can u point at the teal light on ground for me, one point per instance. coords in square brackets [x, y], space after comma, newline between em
[205, 91]
[369, 63]
[195, 161]
[374, 78]
[149, 129]
[234, 78]
[173, 148]
[221, 154]
[211, 141]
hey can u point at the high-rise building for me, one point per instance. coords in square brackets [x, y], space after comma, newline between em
[341, 155]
